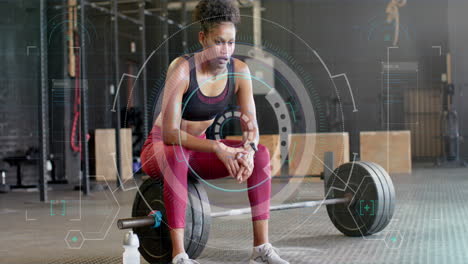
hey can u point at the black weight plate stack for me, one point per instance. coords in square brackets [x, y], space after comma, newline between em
[376, 173]
[155, 243]
[201, 212]
[390, 201]
[364, 214]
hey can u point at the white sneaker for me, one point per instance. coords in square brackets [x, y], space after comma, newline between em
[266, 253]
[183, 258]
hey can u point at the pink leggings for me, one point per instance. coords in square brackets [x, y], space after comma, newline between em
[171, 162]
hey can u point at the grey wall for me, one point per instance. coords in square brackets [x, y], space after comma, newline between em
[350, 37]
[19, 81]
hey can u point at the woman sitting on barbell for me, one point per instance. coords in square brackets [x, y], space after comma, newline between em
[198, 87]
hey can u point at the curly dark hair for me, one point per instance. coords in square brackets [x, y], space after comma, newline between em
[212, 12]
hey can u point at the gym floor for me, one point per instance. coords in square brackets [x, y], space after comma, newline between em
[429, 226]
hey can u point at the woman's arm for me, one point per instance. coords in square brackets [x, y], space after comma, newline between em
[177, 81]
[250, 131]
[245, 100]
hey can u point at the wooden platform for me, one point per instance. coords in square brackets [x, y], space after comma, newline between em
[392, 149]
[105, 154]
[306, 152]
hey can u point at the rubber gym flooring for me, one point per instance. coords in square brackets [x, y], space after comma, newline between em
[429, 226]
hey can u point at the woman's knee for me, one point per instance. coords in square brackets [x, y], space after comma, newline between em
[157, 157]
[262, 156]
[173, 155]
[148, 162]
[262, 159]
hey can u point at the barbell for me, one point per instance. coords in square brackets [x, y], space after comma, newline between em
[360, 201]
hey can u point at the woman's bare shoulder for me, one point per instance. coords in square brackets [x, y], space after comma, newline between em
[241, 73]
[240, 66]
[180, 66]
[178, 75]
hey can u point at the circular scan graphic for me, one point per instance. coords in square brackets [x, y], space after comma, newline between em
[288, 106]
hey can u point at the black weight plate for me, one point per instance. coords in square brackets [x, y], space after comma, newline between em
[391, 191]
[206, 220]
[391, 187]
[189, 222]
[202, 216]
[386, 191]
[155, 243]
[195, 221]
[364, 212]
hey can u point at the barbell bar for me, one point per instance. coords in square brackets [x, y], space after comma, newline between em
[154, 220]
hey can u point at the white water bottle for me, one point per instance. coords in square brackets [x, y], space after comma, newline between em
[131, 254]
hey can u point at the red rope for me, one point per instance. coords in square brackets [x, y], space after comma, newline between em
[74, 140]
